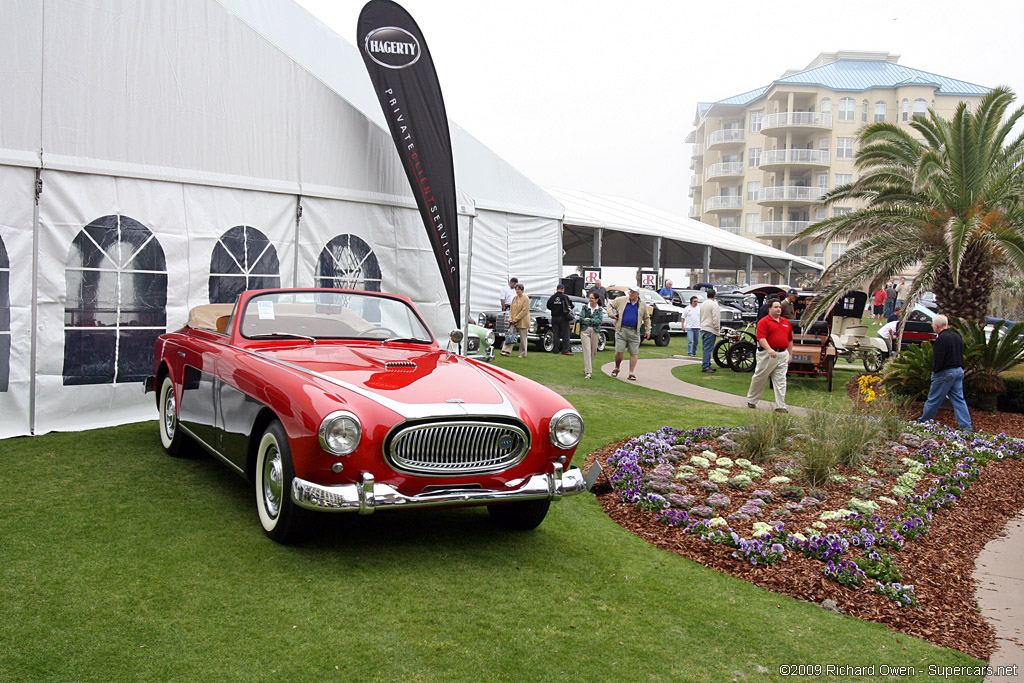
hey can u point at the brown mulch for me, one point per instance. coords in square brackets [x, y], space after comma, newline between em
[940, 565]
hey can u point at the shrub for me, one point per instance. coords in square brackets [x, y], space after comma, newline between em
[909, 374]
[852, 438]
[987, 355]
[880, 566]
[791, 492]
[817, 463]
[758, 441]
[1012, 400]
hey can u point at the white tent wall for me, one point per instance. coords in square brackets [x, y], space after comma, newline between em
[16, 218]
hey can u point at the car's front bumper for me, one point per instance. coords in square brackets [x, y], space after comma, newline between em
[367, 495]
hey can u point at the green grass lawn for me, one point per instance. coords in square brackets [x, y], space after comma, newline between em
[808, 392]
[120, 563]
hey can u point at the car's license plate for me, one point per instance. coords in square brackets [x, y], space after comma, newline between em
[801, 358]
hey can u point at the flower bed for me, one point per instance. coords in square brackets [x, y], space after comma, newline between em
[892, 540]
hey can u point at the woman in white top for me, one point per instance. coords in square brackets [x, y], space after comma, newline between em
[691, 323]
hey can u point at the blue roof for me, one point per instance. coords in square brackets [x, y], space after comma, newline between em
[858, 75]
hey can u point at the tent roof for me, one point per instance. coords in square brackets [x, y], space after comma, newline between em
[619, 214]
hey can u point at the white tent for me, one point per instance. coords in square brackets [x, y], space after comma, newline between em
[159, 155]
[603, 230]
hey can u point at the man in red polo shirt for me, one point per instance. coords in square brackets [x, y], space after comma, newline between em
[774, 347]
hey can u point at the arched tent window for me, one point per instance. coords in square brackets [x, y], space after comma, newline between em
[5, 318]
[244, 258]
[347, 262]
[116, 302]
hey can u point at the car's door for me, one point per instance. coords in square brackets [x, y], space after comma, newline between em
[197, 406]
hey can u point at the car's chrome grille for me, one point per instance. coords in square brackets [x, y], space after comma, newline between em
[455, 448]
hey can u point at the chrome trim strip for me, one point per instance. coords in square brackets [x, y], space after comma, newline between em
[211, 450]
[410, 411]
[366, 496]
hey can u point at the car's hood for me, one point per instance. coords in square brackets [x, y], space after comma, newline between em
[397, 372]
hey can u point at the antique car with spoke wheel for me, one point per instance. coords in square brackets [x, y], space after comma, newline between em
[331, 400]
[725, 342]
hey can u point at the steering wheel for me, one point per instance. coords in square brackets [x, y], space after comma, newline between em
[384, 332]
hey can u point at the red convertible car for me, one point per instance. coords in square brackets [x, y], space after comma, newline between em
[339, 400]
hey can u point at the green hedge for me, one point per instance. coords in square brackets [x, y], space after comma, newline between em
[1012, 400]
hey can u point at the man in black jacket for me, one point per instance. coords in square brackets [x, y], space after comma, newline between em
[947, 375]
[561, 308]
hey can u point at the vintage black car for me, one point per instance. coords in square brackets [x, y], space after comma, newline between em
[540, 331]
[666, 317]
[728, 295]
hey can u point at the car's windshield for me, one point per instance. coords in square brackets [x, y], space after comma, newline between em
[331, 315]
[724, 289]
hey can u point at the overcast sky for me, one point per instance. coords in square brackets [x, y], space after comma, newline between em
[600, 95]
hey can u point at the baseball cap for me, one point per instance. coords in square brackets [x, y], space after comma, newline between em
[634, 288]
[560, 286]
[792, 291]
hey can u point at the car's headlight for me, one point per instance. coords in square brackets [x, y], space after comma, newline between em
[490, 337]
[340, 433]
[566, 428]
[750, 302]
[481, 320]
[533, 326]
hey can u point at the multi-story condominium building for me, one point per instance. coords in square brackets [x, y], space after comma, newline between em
[763, 159]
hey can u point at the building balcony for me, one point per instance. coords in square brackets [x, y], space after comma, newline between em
[696, 180]
[791, 193]
[724, 169]
[723, 203]
[735, 230]
[779, 228]
[727, 136]
[695, 212]
[778, 158]
[698, 150]
[795, 120]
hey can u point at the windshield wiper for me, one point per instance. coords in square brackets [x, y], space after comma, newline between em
[405, 339]
[287, 335]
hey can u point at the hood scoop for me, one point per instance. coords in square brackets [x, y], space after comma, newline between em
[400, 365]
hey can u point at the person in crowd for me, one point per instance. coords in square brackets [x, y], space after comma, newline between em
[879, 306]
[763, 311]
[561, 309]
[710, 328]
[902, 292]
[691, 322]
[631, 315]
[890, 299]
[947, 375]
[789, 305]
[590, 328]
[774, 348]
[888, 334]
[518, 319]
[508, 292]
[666, 291]
[895, 313]
[602, 293]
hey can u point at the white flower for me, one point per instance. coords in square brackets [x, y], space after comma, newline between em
[887, 500]
[799, 537]
[700, 461]
[743, 462]
[762, 529]
[710, 455]
[717, 521]
[718, 477]
[779, 480]
[820, 525]
[724, 462]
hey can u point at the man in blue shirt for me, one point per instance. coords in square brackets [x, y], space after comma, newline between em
[666, 291]
[630, 315]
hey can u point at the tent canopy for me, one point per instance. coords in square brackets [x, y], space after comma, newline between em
[633, 234]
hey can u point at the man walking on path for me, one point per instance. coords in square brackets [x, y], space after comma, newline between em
[560, 307]
[630, 315]
[947, 375]
[710, 328]
[691, 322]
[774, 347]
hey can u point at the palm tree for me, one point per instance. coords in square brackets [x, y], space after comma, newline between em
[953, 203]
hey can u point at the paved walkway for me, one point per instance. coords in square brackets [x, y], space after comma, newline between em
[656, 373]
[999, 571]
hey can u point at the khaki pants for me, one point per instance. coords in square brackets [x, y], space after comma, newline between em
[589, 339]
[507, 348]
[775, 368]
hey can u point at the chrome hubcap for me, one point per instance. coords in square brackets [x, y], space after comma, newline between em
[169, 416]
[272, 481]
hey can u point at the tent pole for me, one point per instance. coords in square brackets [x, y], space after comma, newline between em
[469, 283]
[34, 337]
[298, 220]
[707, 263]
[750, 268]
[789, 273]
[598, 239]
